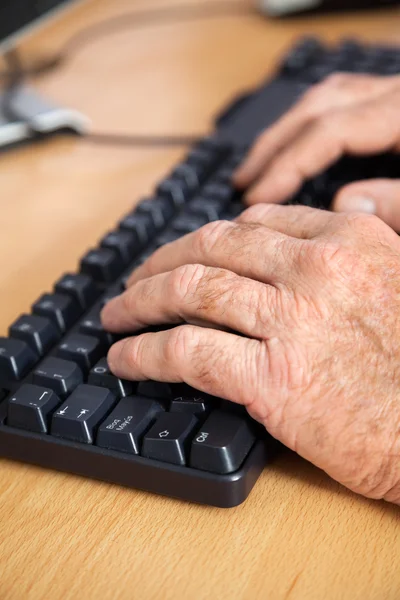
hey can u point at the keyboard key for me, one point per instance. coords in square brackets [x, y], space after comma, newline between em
[80, 287]
[85, 350]
[62, 310]
[61, 376]
[215, 145]
[155, 389]
[77, 418]
[169, 437]
[111, 292]
[192, 175]
[194, 405]
[222, 443]
[124, 243]
[208, 154]
[103, 265]
[91, 325]
[16, 359]
[145, 255]
[38, 332]
[30, 407]
[210, 208]
[125, 278]
[124, 427]
[234, 210]
[220, 191]
[161, 210]
[141, 225]
[109, 296]
[186, 223]
[307, 51]
[174, 189]
[201, 157]
[101, 376]
[168, 236]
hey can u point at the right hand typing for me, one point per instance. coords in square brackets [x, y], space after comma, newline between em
[315, 299]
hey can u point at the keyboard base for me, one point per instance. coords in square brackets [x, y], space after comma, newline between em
[223, 491]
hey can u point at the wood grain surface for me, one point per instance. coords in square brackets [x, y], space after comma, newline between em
[299, 535]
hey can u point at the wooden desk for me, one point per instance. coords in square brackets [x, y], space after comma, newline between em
[299, 535]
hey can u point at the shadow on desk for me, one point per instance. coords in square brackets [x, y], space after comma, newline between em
[290, 466]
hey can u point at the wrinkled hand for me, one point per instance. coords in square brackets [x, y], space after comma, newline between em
[315, 298]
[345, 114]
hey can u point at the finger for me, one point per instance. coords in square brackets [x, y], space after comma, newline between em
[249, 250]
[215, 362]
[270, 142]
[301, 222]
[325, 141]
[337, 91]
[195, 294]
[380, 197]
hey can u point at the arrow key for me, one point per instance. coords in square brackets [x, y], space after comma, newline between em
[195, 405]
[168, 438]
[30, 406]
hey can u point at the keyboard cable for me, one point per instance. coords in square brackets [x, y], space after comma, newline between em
[16, 73]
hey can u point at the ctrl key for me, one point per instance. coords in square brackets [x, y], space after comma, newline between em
[30, 406]
[223, 443]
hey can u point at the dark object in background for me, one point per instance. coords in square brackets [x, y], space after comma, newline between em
[281, 8]
[16, 15]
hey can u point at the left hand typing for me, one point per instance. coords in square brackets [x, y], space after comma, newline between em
[345, 114]
[315, 300]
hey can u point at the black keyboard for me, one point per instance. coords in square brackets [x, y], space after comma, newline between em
[61, 407]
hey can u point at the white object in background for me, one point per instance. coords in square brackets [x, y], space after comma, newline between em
[39, 114]
[276, 8]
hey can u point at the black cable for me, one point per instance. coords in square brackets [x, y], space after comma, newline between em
[111, 139]
[13, 83]
[180, 13]
[16, 73]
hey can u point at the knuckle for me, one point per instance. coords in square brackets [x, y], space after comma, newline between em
[282, 363]
[209, 235]
[180, 344]
[363, 222]
[331, 260]
[183, 280]
[322, 89]
[327, 127]
[338, 79]
[128, 300]
[322, 257]
[265, 306]
[133, 351]
[256, 213]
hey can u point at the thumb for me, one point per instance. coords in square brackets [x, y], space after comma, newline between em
[380, 197]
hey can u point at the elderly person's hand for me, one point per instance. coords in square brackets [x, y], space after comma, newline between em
[292, 312]
[352, 114]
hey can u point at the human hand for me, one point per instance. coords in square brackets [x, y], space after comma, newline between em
[315, 298]
[353, 114]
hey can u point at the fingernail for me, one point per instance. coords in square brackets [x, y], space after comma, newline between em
[360, 203]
